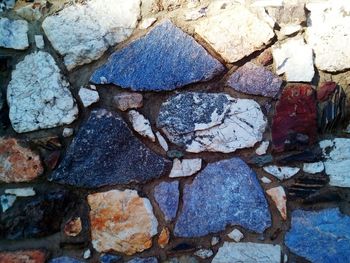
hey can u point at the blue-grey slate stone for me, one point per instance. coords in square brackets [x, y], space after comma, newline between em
[320, 236]
[105, 152]
[65, 260]
[143, 260]
[165, 59]
[167, 197]
[255, 80]
[109, 258]
[224, 193]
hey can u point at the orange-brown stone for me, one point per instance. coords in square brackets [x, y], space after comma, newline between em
[164, 236]
[73, 227]
[23, 256]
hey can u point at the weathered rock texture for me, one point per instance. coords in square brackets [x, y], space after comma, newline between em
[281, 172]
[185, 167]
[23, 256]
[278, 196]
[167, 197]
[13, 33]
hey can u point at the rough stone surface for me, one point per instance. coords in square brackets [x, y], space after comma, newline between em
[39, 41]
[211, 122]
[248, 252]
[141, 125]
[278, 196]
[143, 260]
[327, 32]
[67, 132]
[167, 197]
[7, 201]
[65, 259]
[313, 168]
[105, 137]
[13, 33]
[255, 80]
[185, 167]
[265, 180]
[88, 96]
[128, 100]
[236, 235]
[261, 150]
[234, 32]
[109, 258]
[18, 164]
[146, 23]
[80, 35]
[23, 256]
[320, 236]
[73, 227]
[181, 58]
[204, 253]
[162, 141]
[7, 4]
[121, 221]
[21, 192]
[164, 237]
[232, 184]
[281, 172]
[38, 95]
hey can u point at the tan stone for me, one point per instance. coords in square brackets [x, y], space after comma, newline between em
[73, 227]
[18, 164]
[121, 221]
[23, 256]
[164, 236]
[128, 100]
[278, 196]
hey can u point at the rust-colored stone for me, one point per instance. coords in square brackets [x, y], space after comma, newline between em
[164, 236]
[73, 227]
[325, 90]
[18, 164]
[23, 256]
[265, 58]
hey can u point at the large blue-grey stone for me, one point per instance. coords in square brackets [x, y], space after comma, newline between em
[105, 152]
[165, 59]
[320, 236]
[224, 193]
[144, 260]
[167, 197]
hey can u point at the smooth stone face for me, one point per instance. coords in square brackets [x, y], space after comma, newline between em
[313, 168]
[25, 256]
[73, 227]
[128, 100]
[141, 125]
[134, 228]
[281, 172]
[13, 34]
[185, 167]
[233, 185]
[143, 260]
[88, 96]
[137, 66]
[105, 137]
[236, 235]
[80, 35]
[212, 122]
[320, 236]
[233, 32]
[327, 32]
[38, 95]
[167, 197]
[336, 154]
[255, 80]
[232, 252]
[278, 196]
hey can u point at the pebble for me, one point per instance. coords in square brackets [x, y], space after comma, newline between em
[164, 237]
[23, 256]
[185, 167]
[7, 201]
[182, 259]
[278, 196]
[167, 196]
[88, 96]
[204, 253]
[162, 141]
[128, 100]
[141, 125]
[215, 241]
[39, 41]
[313, 168]
[265, 180]
[262, 149]
[146, 23]
[87, 254]
[236, 235]
[73, 227]
[281, 172]
[67, 132]
[13, 33]
[21, 192]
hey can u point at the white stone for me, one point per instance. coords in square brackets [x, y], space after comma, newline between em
[248, 252]
[204, 253]
[288, 30]
[39, 41]
[215, 241]
[141, 125]
[278, 196]
[13, 33]
[7, 201]
[262, 148]
[264, 3]
[266, 180]
[337, 161]
[82, 33]
[7, 4]
[233, 32]
[32, 11]
[327, 32]
[22, 192]
[87, 254]
[281, 172]
[193, 15]
[67, 132]
[313, 168]
[146, 23]
[162, 141]
[38, 96]
[236, 235]
[186, 167]
[88, 96]
[295, 59]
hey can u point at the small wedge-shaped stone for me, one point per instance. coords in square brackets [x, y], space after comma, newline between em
[105, 152]
[13, 34]
[167, 196]
[278, 196]
[281, 172]
[165, 59]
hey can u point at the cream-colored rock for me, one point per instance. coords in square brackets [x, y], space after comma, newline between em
[162, 141]
[265, 180]
[281, 172]
[88, 96]
[186, 167]
[313, 168]
[141, 125]
[146, 23]
[262, 148]
[236, 235]
[278, 196]
[288, 30]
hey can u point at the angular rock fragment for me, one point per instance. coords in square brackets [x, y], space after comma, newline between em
[21, 192]
[141, 125]
[121, 221]
[185, 167]
[255, 80]
[281, 172]
[236, 235]
[167, 197]
[88, 96]
[38, 95]
[212, 122]
[80, 35]
[164, 237]
[67, 132]
[7, 201]
[232, 252]
[109, 258]
[278, 196]
[265, 180]
[73, 227]
[128, 100]
[261, 150]
[320, 236]
[18, 164]
[13, 33]
[204, 253]
[105, 152]
[294, 124]
[23, 256]
[313, 168]
[162, 141]
[39, 41]
[233, 185]
[165, 59]
[234, 32]
[146, 23]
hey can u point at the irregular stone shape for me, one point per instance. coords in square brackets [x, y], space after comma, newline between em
[65, 259]
[67, 132]
[21, 192]
[255, 80]
[278, 196]
[146, 23]
[13, 33]
[234, 32]
[212, 122]
[294, 123]
[128, 100]
[266, 3]
[38, 95]
[265, 180]
[88, 96]
[121, 221]
[167, 197]
[261, 150]
[18, 164]
[143, 260]
[7, 4]
[233, 185]
[313, 168]
[164, 237]
[105, 137]
[281, 172]
[162, 141]
[137, 66]
[204, 253]
[232, 252]
[330, 45]
[320, 236]
[7, 201]
[87, 254]
[141, 125]
[23, 256]
[336, 154]
[295, 59]
[39, 41]
[37, 216]
[80, 35]
[265, 58]
[290, 29]
[186, 167]
[109, 258]
[73, 227]
[236, 235]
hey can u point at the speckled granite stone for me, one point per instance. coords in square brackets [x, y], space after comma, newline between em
[167, 197]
